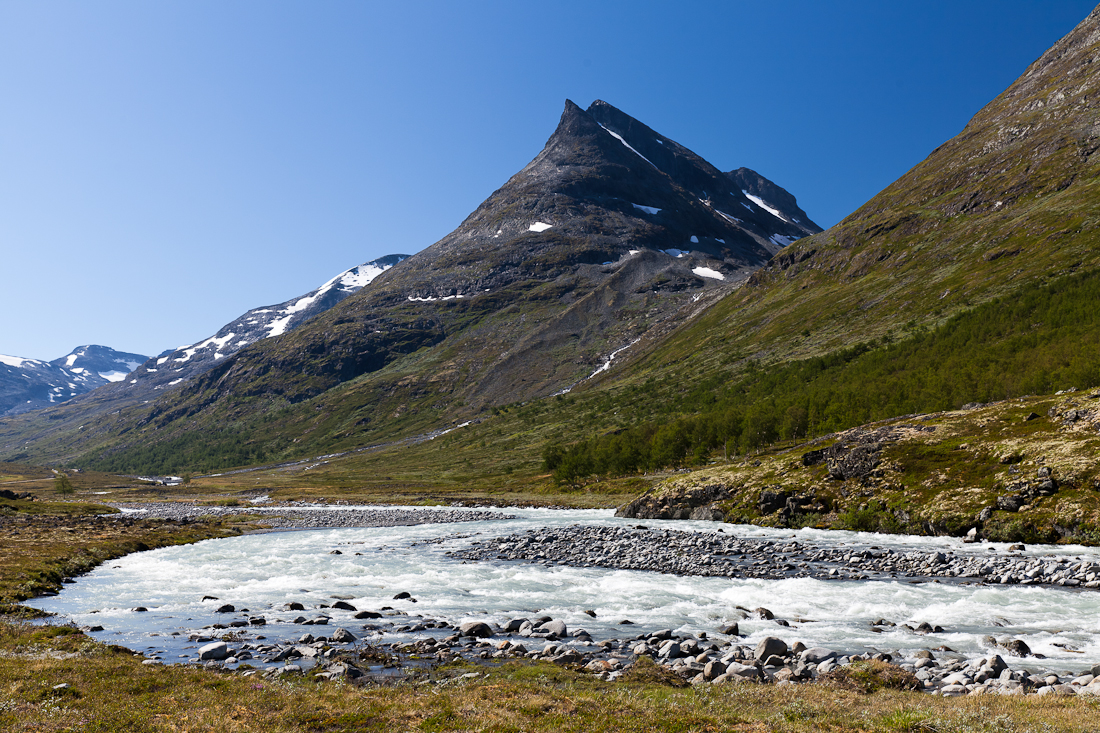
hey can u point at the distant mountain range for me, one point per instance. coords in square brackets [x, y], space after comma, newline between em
[175, 366]
[30, 384]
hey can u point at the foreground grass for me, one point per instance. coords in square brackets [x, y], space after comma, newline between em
[108, 689]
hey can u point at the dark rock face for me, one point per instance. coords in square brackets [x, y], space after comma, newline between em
[694, 504]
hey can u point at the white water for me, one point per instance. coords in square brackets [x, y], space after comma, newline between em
[261, 572]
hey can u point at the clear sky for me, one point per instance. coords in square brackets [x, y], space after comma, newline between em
[165, 166]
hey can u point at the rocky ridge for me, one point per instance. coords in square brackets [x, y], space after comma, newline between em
[31, 384]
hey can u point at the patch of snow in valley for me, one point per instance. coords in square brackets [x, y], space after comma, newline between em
[677, 253]
[782, 240]
[161, 360]
[707, 272]
[646, 209]
[694, 239]
[746, 206]
[764, 205]
[539, 226]
[114, 376]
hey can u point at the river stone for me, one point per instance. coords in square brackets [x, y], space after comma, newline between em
[729, 629]
[713, 669]
[294, 606]
[217, 650]
[342, 636]
[515, 624]
[1016, 648]
[344, 606]
[227, 608]
[743, 671]
[817, 655]
[402, 596]
[368, 614]
[479, 629]
[555, 627]
[770, 646]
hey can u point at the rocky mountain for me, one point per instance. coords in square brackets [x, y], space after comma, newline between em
[175, 366]
[611, 234]
[30, 384]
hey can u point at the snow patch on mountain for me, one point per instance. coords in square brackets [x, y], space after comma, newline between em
[620, 138]
[708, 272]
[764, 205]
[15, 361]
[782, 240]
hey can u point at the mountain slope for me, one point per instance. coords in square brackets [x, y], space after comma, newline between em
[985, 255]
[1011, 202]
[98, 380]
[31, 384]
[613, 231]
[179, 365]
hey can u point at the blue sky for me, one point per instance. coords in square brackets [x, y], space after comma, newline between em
[166, 166]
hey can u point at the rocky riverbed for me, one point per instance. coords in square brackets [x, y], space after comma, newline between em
[721, 555]
[356, 632]
[362, 655]
[313, 516]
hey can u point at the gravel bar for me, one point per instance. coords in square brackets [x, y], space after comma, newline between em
[314, 517]
[719, 555]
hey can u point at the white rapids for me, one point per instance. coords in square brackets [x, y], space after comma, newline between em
[261, 572]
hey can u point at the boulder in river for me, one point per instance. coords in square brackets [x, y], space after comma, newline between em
[215, 651]
[770, 646]
[342, 636]
[479, 629]
[555, 627]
